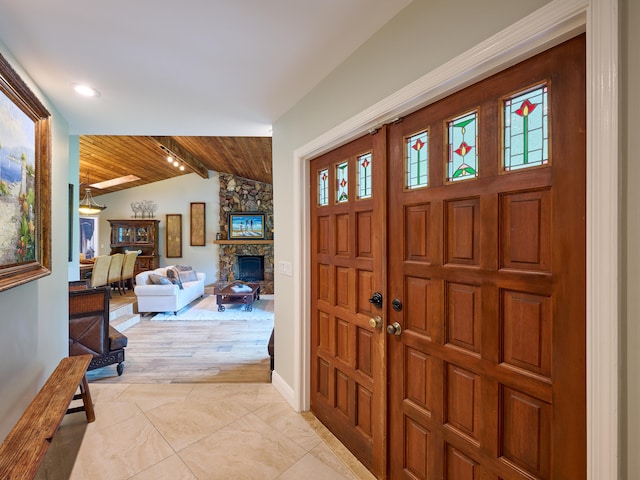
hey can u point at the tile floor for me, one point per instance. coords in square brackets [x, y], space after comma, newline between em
[195, 431]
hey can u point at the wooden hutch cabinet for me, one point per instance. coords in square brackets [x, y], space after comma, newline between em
[137, 235]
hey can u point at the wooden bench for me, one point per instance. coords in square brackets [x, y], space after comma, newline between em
[26, 445]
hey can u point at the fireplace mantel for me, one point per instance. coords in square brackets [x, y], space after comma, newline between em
[243, 242]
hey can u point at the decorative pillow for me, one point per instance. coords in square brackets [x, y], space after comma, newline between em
[182, 268]
[187, 276]
[174, 276]
[156, 279]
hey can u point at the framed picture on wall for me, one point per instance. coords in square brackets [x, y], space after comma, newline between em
[198, 224]
[246, 226]
[88, 237]
[25, 182]
[173, 235]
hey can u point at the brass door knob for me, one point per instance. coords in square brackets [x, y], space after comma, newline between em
[394, 329]
[375, 322]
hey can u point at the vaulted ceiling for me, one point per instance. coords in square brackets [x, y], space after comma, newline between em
[105, 157]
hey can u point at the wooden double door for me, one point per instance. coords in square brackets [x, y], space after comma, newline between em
[449, 278]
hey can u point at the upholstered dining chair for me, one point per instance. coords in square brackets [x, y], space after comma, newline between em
[115, 271]
[128, 267]
[100, 272]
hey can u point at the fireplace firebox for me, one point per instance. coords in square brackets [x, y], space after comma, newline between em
[250, 268]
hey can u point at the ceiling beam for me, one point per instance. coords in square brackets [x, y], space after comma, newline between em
[189, 160]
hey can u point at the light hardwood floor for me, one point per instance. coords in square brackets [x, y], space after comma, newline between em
[231, 351]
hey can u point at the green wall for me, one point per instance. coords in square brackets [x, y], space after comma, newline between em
[34, 317]
[630, 262]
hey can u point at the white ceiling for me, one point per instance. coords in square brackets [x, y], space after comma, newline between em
[184, 67]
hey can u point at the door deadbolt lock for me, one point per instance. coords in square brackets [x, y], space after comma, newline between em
[376, 299]
[394, 329]
[375, 322]
[397, 305]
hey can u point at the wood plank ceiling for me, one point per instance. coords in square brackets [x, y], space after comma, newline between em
[105, 157]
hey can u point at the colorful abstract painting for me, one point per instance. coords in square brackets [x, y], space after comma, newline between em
[17, 184]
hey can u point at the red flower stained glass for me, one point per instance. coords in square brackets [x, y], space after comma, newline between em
[526, 129]
[526, 108]
[463, 149]
[417, 156]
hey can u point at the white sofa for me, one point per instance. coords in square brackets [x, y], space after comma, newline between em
[166, 298]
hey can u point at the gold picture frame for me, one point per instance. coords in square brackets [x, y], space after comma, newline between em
[198, 224]
[173, 235]
[25, 182]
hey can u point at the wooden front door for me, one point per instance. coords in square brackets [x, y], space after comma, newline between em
[487, 263]
[473, 231]
[348, 388]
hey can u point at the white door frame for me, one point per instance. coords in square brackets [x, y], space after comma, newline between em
[548, 26]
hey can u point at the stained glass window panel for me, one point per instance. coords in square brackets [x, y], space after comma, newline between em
[323, 187]
[342, 182]
[364, 176]
[526, 130]
[463, 152]
[417, 148]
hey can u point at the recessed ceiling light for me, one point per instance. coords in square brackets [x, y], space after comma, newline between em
[86, 90]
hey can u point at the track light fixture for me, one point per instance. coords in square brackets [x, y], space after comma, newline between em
[173, 158]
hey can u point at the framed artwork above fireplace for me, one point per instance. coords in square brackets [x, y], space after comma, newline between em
[246, 225]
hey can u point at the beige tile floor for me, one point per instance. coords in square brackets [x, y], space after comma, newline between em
[195, 431]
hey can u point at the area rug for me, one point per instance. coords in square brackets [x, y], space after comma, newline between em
[207, 309]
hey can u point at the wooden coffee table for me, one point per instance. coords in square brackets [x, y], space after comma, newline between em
[226, 295]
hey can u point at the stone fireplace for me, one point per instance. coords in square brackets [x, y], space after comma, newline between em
[243, 195]
[229, 268]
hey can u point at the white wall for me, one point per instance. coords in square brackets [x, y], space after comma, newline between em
[172, 196]
[423, 36]
[34, 317]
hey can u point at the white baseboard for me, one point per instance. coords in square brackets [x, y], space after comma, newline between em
[284, 389]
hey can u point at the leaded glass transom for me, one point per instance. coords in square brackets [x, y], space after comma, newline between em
[342, 182]
[463, 151]
[364, 175]
[417, 174]
[526, 130]
[323, 187]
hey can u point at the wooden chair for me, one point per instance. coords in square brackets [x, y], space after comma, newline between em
[89, 329]
[115, 271]
[100, 272]
[128, 268]
[78, 284]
